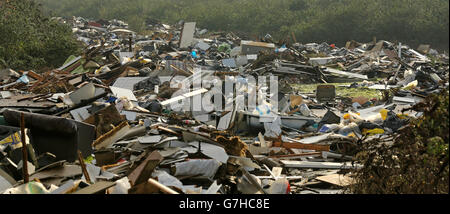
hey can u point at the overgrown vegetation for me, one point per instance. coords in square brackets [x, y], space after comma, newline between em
[29, 39]
[416, 161]
[334, 21]
[341, 91]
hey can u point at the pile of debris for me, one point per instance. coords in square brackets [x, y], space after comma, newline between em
[124, 117]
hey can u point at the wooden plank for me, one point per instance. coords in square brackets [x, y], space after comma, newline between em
[302, 146]
[83, 167]
[181, 71]
[161, 187]
[168, 130]
[57, 171]
[111, 136]
[143, 172]
[33, 75]
[336, 179]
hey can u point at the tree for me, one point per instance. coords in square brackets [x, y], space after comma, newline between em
[29, 39]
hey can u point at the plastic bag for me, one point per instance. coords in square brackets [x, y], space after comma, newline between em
[326, 128]
[273, 129]
[305, 110]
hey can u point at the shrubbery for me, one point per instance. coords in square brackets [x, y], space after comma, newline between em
[417, 162]
[334, 21]
[29, 39]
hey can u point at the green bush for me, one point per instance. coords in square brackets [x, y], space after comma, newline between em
[416, 161]
[30, 40]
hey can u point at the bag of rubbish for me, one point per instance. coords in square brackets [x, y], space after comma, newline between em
[102, 70]
[370, 128]
[329, 118]
[23, 79]
[393, 122]
[280, 186]
[194, 54]
[347, 116]
[121, 187]
[152, 106]
[409, 76]
[326, 128]
[356, 105]
[411, 85]
[145, 72]
[349, 129]
[355, 118]
[378, 118]
[263, 109]
[273, 129]
[206, 168]
[124, 103]
[305, 110]
[368, 125]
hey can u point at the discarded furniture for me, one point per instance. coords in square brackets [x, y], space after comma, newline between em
[59, 136]
[326, 93]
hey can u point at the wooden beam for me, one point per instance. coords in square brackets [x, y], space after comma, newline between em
[33, 74]
[26, 176]
[145, 169]
[302, 146]
[83, 168]
[161, 187]
[170, 131]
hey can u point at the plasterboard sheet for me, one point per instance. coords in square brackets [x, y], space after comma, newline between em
[123, 92]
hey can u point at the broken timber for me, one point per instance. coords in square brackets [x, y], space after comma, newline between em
[302, 146]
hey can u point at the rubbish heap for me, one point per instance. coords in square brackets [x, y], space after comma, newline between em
[107, 122]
